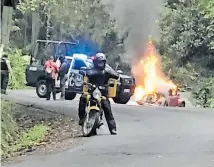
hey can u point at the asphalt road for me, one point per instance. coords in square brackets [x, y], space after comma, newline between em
[147, 136]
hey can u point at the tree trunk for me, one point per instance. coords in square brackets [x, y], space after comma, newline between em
[48, 26]
[6, 24]
[1, 21]
[35, 28]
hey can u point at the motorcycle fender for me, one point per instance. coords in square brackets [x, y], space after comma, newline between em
[112, 90]
[93, 108]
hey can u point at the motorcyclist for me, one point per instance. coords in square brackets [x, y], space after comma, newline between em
[99, 75]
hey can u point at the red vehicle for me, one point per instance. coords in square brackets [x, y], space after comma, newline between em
[173, 100]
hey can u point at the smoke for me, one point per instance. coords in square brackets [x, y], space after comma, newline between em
[137, 19]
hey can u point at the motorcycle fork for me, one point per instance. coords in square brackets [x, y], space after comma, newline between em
[87, 111]
[88, 108]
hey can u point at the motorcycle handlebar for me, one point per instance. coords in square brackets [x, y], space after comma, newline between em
[91, 85]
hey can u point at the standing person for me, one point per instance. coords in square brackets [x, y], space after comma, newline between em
[5, 70]
[63, 70]
[51, 71]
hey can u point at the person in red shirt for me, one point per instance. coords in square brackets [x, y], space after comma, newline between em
[51, 70]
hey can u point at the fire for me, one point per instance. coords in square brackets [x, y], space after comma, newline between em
[139, 92]
[150, 80]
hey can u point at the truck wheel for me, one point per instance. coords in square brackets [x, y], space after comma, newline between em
[41, 89]
[182, 104]
[166, 104]
[122, 99]
[70, 96]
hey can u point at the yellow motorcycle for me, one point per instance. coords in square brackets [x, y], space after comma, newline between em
[94, 110]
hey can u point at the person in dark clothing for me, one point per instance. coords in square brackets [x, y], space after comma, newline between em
[51, 69]
[99, 75]
[63, 70]
[5, 70]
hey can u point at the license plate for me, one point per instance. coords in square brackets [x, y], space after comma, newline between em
[126, 90]
[33, 68]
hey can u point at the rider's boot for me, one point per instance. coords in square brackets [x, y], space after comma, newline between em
[113, 132]
[99, 125]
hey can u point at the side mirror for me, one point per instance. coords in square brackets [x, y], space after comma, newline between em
[119, 71]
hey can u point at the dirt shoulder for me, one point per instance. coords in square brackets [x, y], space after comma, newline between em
[27, 129]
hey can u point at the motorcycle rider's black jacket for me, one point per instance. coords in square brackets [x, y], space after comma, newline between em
[98, 77]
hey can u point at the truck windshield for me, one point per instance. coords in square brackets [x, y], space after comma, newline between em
[43, 51]
[78, 63]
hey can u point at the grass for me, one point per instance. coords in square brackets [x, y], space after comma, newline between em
[31, 137]
[9, 129]
[14, 138]
[25, 129]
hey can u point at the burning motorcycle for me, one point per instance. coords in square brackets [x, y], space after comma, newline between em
[94, 110]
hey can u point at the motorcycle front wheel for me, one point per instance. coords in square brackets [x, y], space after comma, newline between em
[90, 125]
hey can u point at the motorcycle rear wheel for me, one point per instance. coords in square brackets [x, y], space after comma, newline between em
[89, 127]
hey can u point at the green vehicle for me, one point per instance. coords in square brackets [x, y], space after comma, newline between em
[35, 75]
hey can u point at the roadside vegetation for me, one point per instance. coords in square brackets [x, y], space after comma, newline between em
[187, 43]
[18, 65]
[25, 129]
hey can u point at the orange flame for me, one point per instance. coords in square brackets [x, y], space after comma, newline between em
[149, 78]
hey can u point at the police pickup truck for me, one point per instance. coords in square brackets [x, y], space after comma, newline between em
[35, 76]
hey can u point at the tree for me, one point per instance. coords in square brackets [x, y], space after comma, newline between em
[187, 46]
[77, 17]
[187, 35]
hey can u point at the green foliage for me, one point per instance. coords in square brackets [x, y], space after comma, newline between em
[88, 18]
[204, 93]
[33, 5]
[32, 137]
[187, 34]
[13, 137]
[18, 64]
[187, 45]
[76, 17]
[9, 128]
[208, 6]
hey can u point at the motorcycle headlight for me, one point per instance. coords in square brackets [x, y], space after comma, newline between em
[96, 93]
